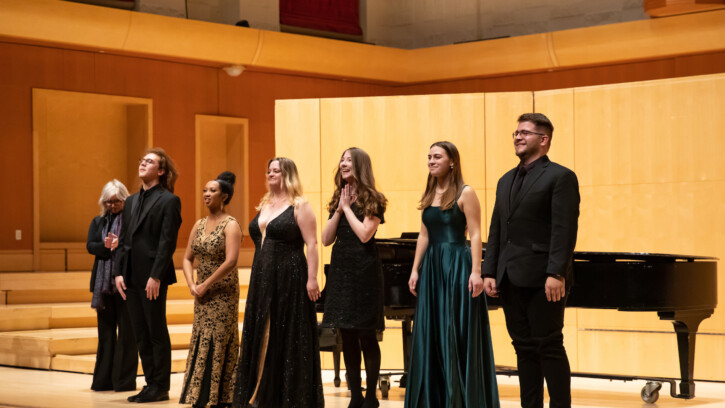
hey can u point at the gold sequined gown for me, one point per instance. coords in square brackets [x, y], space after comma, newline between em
[211, 364]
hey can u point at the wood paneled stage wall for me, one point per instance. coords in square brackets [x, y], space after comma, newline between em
[647, 155]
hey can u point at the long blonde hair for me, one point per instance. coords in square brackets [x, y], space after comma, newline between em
[290, 181]
[372, 202]
[455, 180]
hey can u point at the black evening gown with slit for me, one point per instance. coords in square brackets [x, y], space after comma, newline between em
[278, 292]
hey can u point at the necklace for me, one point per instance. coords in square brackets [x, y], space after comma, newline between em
[274, 203]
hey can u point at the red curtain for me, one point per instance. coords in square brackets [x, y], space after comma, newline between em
[338, 16]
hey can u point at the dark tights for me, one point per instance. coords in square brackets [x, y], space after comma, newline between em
[353, 342]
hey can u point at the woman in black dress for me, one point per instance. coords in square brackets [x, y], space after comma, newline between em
[279, 362]
[116, 357]
[354, 288]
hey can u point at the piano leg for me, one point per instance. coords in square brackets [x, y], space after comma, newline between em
[686, 324]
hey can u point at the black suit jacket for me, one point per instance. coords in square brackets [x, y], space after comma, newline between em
[96, 246]
[147, 243]
[534, 236]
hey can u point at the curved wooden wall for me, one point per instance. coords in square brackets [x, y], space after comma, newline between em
[132, 33]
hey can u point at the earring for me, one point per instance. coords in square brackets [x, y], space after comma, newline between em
[451, 167]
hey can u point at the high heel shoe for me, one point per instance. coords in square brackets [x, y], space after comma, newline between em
[370, 402]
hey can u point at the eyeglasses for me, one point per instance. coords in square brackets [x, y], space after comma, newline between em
[112, 202]
[147, 161]
[526, 133]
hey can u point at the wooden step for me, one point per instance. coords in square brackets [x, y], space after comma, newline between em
[86, 363]
[35, 348]
[68, 287]
[72, 315]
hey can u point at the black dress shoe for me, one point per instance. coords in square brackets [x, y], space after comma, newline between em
[153, 395]
[133, 398]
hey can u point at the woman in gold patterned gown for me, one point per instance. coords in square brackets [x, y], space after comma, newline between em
[214, 242]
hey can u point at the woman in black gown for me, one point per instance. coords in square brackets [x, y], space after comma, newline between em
[354, 288]
[279, 363]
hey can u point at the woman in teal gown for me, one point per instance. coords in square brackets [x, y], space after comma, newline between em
[451, 361]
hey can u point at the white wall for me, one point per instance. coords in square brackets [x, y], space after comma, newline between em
[425, 23]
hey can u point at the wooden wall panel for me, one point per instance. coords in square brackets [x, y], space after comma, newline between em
[650, 141]
[253, 95]
[558, 106]
[502, 110]
[396, 132]
[649, 185]
[181, 91]
[297, 125]
[82, 144]
[16, 158]
[680, 66]
[298, 138]
[222, 145]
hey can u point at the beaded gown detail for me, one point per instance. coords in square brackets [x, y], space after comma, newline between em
[277, 299]
[451, 361]
[354, 287]
[211, 364]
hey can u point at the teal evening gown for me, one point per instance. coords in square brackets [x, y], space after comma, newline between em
[451, 359]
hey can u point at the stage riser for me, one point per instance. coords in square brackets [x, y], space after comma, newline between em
[76, 315]
[86, 363]
[70, 287]
[38, 349]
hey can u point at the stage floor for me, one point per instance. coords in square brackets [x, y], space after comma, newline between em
[50, 389]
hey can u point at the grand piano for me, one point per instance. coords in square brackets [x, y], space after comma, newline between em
[679, 288]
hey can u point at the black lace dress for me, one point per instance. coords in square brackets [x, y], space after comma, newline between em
[280, 325]
[354, 287]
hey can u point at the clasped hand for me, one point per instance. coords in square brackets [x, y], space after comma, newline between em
[345, 199]
[111, 241]
[198, 290]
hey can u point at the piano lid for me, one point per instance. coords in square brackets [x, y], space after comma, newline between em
[583, 256]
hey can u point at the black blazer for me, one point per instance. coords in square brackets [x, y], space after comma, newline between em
[146, 245]
[95, 245]
[534, 237]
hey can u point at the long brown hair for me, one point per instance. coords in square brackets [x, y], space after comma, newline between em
[290, 180]
[372, 202]
[455, 180]
[168, 179]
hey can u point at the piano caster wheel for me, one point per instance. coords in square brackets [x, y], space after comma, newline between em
[384, 387]
[651, 392]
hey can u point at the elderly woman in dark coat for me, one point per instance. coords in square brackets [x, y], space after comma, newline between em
[117, 356]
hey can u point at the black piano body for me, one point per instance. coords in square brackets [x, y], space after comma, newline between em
[679, 288]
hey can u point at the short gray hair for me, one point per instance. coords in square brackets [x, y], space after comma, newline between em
[112, 188]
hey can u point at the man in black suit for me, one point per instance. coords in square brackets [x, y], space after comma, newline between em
[528, 260]
[145, 268]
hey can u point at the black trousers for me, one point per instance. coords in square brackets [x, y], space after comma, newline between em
[535, 326]
[148, 318]
[117, 356]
